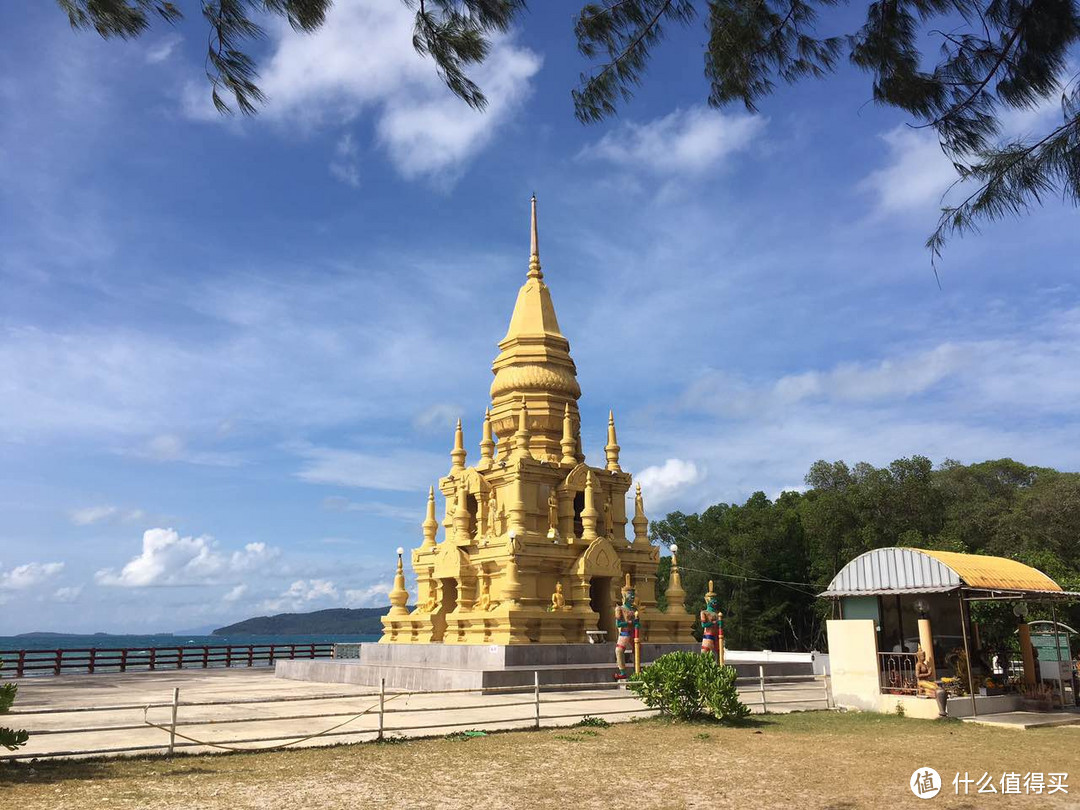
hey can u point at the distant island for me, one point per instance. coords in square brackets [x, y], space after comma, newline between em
[335, 621]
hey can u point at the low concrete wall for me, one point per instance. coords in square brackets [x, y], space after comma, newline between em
[471, 666]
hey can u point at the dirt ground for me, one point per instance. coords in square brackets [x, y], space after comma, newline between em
[817, 759]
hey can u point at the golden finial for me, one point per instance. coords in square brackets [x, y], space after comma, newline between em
[534, 248]
[568, 444]
[640, 522]
[457, 455]
[487, 444]
[399, 597]
[521, 438]
[612, 448]
[430, 525]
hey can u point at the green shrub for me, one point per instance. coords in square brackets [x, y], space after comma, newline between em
[9, 737]
[687, 685]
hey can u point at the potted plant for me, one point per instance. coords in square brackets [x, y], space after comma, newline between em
[1037, 697]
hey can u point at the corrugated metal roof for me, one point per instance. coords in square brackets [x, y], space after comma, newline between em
[892, 570]
[912, 570]
[994, 573]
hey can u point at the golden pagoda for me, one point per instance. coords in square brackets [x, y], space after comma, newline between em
[534, 546]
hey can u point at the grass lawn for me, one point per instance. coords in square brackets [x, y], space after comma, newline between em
[817, 759]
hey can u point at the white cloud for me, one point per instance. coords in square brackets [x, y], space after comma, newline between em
[163, 49]
[440, 416]
[916, 175]
[690, 140]
[336, 503]
[362, 60]
[235, 594]
[371, 596]
[105, 514]
[67, 594]
[169, 559]
[659, 484]
[304, 594]
[28, 575]
[345, 165]
[170, 447]
[402, 470]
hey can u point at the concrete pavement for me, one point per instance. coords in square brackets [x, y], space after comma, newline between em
[413, 715]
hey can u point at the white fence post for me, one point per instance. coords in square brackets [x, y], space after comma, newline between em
[828, 692]
[761, 683]
[172, 726]
[382, 704]
[536, 692]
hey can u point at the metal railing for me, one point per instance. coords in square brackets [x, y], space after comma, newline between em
[897, 673]
[30, 663]
[549, 703]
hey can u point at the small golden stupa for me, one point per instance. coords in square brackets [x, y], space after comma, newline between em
[534, 548]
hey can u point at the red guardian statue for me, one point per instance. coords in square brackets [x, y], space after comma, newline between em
[712, 626]
[628, 623]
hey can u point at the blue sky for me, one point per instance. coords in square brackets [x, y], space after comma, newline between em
[213, 330]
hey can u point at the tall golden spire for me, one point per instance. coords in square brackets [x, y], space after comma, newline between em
[534, 246]
[534, 362]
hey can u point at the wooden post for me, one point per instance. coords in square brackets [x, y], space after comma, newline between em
[123, 660]
[967, 654]
[153, 658]
[761, 686]
[382, 705]
[179, 657]
[59, 662]
[205, 656]
[172, 725]
[228, 655]
[21, 665]
[93, 660]
[536, 695]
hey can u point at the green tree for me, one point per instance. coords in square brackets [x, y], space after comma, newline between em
[993, 57]
[769, 559]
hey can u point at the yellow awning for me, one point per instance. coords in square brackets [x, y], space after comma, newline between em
[993, 573]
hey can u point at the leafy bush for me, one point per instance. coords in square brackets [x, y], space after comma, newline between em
[687, 685]
[9, 737]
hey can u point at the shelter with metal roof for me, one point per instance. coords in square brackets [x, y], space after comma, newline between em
[918, 601]
[912, 570]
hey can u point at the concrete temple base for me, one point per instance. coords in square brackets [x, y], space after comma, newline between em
[424, 667]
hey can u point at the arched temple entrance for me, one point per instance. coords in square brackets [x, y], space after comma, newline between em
[601, 603]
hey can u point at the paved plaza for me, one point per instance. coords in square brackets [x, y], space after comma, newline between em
[246, 719]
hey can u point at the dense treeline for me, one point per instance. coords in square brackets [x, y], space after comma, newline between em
[769, 559]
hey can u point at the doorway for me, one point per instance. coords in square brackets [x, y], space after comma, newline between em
[600, 602]
[449, 595]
